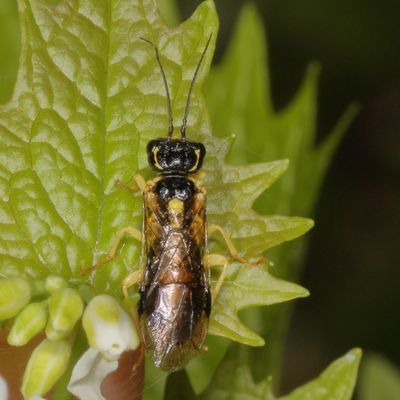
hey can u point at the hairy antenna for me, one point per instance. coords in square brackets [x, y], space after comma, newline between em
[185, 117]
[170, 120]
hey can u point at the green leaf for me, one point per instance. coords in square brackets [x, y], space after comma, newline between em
[335, 383]
[248, 287]
[234, 381]
[9, 47]
[80, 118]
[379, 379]
[155, 381]
[239, 97]
[169, 11]
[179, 387]
[88, 98]
[201, 369]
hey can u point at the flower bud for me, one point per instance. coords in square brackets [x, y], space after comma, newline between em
[54, 283]
[65, 308]
[46, 365]
[29, 322]
[109, 328]
[15, 294]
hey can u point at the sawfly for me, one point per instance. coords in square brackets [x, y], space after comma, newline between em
[174, 287]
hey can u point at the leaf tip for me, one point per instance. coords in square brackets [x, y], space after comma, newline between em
[304, 293]
[250, 11]
[354, 356]
[285, 163]
[260, 343]
[308, 223]
[298, 292]
[313, 70]
[208, 6]
[304, 224]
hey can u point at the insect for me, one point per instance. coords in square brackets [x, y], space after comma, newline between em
[175, 293]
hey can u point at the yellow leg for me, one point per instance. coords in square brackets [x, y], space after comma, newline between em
[139, 181]
[128, 230]
[213, 260]
[132, 279]
[232, 248]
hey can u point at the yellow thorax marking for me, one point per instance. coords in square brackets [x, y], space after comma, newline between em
[197, 152]
[155, 152]
[175, 205]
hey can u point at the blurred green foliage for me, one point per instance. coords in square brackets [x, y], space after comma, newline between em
[239, 98]
[233, 381]
[379, 379]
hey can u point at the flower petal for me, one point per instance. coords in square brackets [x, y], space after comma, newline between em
[88, 375]
[3, 388]
[109, 328]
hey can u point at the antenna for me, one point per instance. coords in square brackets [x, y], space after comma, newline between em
[185, 117]
[170, 120]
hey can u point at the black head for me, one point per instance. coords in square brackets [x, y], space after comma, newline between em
[175, 156]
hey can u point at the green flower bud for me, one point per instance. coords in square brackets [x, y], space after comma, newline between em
[46, 365]
[29, 322]
[38, 288]
[54, 283]
[109, 328]
[15, 294]
[65, 308]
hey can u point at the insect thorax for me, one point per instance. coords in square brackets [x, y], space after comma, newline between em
[175, 187]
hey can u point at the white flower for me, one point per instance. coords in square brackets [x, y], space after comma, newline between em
[109, 328]
[3, 389]
[110, 331]
[88, 375]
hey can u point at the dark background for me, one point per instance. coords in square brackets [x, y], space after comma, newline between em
[352, 267]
